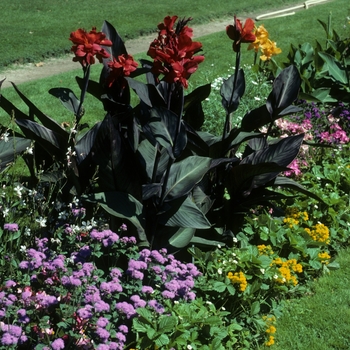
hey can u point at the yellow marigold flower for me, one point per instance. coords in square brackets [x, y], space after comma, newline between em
[265, 249]
[290, 221]
[319, 233]
[238, 278]
[324, 257]
[271, 341]
[287, 269]
[268, 50]
[271, 330]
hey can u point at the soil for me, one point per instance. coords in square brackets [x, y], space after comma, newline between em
[34, 71]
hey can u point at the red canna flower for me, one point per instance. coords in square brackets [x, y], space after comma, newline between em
[121, 67]
[87, 45]
[173, 51]
[241, 34]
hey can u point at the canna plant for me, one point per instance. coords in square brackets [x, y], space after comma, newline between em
[324, 69]
[151, 164]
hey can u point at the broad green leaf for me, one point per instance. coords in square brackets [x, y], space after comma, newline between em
[44, 119]
[67, 98]
[336, 71]
[255, 308]
[162, 340]
[167, 323]
[204, 242]
[48, 139]
[282, 181]
[197, 95]
[231, 91]
[284, 91]
[184, 175]
[165, 128]
[84, 145]
[148, 93]
[9, 150]
[188, 215]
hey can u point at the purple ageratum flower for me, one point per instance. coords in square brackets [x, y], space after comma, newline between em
[87, 268]
[168, 295]
[190, 296]
[8, 339]
[121, 337]
[126, 308]
[14, 330]
[147, 289]
[116, 273]
[98, 236]
[85, 312]
[123, 328]
[102, 333]
[41, 243]
[11, 227]
[123, 227]
[92, 294]
[102, 322]
[70, 281]
[156, 306]
[145, 255]
[110, 239]
[101, 306]
[104, 347]
[115, 346]
[111, 287]
[172, 285]
[158, 257]
[45, 300]
[157, 269]
[2, 313]
[138, 302]
[57, 344]
[10, 283]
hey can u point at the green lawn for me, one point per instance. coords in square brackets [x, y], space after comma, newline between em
[33, 30]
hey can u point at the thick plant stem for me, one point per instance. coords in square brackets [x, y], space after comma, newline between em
[227, 120]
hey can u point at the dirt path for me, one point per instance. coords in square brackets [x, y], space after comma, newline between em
[33, 71]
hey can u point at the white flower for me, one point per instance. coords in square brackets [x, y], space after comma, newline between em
[219, 246]
[5, 212]
[29, 150]
[63, 215]
[235, 261]
[220, 271]
[275, 277]
[18, 189]
[257, 98]
[235, 240]
[41, 221]
[262, 271]
[23, 249]
[5, 136]
[208, 302]
[189, 347]
[27, 231]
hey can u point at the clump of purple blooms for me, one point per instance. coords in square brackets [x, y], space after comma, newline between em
[92, 302]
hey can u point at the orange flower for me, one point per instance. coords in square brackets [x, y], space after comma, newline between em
[240, 34]
[87, 45]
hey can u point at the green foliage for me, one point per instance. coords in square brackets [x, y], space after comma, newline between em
[323, 69]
